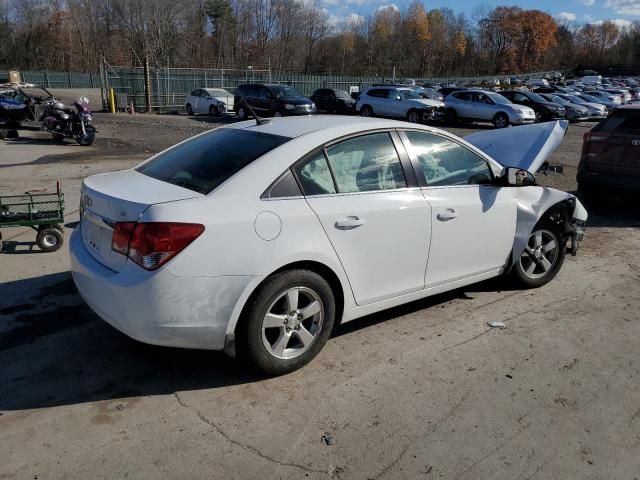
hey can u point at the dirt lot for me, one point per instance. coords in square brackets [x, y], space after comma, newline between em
[422, 391]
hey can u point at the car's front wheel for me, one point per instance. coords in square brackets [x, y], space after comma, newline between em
[542, 258]
[413, 116]
[287, 322]
[500, 121]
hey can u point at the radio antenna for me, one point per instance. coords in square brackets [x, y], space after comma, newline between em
[259, 120]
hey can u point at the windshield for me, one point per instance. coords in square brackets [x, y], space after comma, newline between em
[218, 92]
[537, 98]
[285, 91]
[557, 99]
[341, 94]
[410, 95]
[590, 98]
[204, 162]
[498, 98]
[575, 99]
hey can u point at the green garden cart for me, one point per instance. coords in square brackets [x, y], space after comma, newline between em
[44, 212]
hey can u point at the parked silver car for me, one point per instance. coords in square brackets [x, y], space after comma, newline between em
[574, 112]
[604, 95]
[597, 111]
[398, 102]
[486, 106]
[611, 106]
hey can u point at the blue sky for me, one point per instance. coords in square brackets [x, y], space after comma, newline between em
[623, 12]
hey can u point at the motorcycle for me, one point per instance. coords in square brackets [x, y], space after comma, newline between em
[68, 122]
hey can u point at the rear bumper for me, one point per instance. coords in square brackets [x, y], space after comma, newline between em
[610, 182]
[158, 307]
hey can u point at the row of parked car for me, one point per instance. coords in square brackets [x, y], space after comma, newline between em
[420, 104]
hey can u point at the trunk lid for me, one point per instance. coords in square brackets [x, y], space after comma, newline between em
[526, 146]
[119, 197]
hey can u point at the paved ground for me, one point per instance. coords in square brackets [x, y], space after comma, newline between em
[422, 391]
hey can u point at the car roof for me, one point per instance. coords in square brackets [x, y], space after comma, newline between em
[293, 127]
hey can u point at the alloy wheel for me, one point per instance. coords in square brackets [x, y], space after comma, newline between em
[540, 255]
[292, 323]
[50, 240]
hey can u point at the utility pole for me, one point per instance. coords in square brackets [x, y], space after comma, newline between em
[147, 84]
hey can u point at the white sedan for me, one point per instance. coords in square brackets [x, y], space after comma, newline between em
[259, 237]
[212, 101]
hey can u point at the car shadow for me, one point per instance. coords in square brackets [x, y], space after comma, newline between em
[12, 247]
[55, 351]
[612, 210]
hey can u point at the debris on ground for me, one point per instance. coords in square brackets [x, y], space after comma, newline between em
[496, 324]
[328, 439]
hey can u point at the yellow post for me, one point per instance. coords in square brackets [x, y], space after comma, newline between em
[112, 101]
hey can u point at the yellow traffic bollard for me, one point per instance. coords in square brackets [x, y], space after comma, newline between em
[112, 101]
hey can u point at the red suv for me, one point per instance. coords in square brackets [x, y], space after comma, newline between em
[611, 154]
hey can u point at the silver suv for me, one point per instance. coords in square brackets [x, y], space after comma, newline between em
[485, 106]
[398, 102]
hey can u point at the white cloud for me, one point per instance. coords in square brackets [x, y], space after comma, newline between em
[587, 3]
[354, 18]
[624, 7]
[622, 24]
[565, 17]
[390, 5]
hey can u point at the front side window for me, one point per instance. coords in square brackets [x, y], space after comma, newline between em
[366, 163]
[204, 162]
[620, 121]
[446, 163]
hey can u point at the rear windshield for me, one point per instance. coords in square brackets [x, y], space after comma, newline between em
[205, 161]
[621, 121]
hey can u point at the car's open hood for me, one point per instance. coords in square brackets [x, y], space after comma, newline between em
[428, 101]
[526, 146]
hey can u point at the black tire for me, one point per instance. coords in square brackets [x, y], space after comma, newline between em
[366, 111]
[213, 111]
[242, 113]
[539, 276]
[189, 110]
[272, 296]
[500, 121]
[413, 116]
[539, 116]
[451, 117]
[278, 114]
[89, 137]
[49, 239]
[0, 243]
[58, 137]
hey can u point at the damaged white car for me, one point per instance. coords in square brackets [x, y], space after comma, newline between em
[260, 237]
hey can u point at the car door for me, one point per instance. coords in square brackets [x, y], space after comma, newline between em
[378, 100]
[396, 103]
[473, 221]
[372, 212]
[484, 108]
[205, 101]
[462, 104]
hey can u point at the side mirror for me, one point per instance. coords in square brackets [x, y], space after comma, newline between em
[517, 177]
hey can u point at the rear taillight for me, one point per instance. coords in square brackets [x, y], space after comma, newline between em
[152, 244]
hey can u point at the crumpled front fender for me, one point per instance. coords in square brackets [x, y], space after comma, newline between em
[533, 203]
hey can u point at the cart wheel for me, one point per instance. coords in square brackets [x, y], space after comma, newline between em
[49, 239]
[0, 243]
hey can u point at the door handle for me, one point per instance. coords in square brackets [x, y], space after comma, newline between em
[349, 223]
[448, 214]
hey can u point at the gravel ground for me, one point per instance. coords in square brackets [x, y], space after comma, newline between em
[426, 390]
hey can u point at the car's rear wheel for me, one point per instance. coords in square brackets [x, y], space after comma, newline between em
[542, 258]
[189, 110]
[277, 114]
[366, 111]
[287, 322]
[413, 116]
[242, 113]
[500, 121]
[538, 116]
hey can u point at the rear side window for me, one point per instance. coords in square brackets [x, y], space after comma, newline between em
[205, 161]
[314, 176]
[620, 121]
[463, 96]
[378, 93]
[366, 163]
